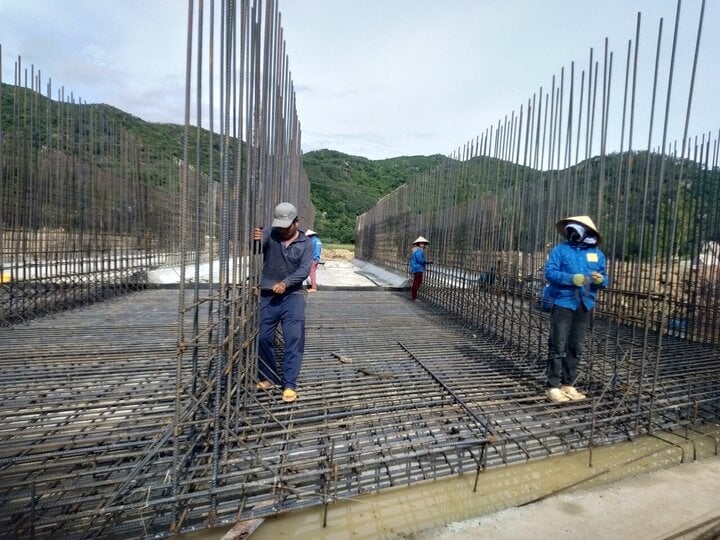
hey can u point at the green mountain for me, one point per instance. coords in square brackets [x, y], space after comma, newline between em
[342, 187]
[106, 133]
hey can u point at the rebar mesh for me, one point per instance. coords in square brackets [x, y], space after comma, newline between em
[490, 215]
[392, 394]
[139, 417]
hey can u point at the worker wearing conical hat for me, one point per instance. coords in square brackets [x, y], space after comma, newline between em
[317, 251]
[575, 271]
[418, 262]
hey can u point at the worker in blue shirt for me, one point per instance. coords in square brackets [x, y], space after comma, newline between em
[287, 256]
[575, 271]
[317, 250]
[418, 262]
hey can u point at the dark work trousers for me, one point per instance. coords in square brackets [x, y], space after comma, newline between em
[417, 280]
[289, 311]
[567, 336]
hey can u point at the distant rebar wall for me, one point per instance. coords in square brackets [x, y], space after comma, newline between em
[489, 214]
[86, 206]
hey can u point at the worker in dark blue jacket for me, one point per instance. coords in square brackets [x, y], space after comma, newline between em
[287, 256]
[575, 271]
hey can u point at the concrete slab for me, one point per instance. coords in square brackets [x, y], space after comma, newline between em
[679, 502]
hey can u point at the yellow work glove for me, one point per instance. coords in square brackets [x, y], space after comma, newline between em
[578, 280]
[597, 278]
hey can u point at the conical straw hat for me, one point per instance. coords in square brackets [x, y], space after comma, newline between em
[582, 220]
[421, 239]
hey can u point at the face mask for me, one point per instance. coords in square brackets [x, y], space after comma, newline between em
[575, 233]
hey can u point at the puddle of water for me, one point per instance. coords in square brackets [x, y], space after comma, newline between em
[403, 512]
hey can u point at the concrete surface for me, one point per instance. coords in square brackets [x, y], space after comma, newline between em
[355, 274]
[640, 490]
[679, 502]
[333, 273]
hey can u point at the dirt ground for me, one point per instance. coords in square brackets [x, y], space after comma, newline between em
[338, 255]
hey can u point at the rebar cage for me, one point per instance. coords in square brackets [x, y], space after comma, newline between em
[139, 416]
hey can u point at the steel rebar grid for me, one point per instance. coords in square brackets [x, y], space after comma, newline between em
[95, 457]
[215, 357]
[490, 211]
[86, 207]
[192, 217]
[490, 214]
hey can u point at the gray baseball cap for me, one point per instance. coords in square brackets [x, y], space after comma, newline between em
[285, 214]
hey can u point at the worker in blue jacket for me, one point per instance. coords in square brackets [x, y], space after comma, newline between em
[418, 262]
[317, 251]
[575, 271]
[287, 257]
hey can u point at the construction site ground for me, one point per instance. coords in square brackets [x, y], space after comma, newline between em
[662, 487]
[671, 501]
[408, 402]
[682, 501]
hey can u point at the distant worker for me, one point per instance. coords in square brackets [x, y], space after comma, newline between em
[575, 270]
[317, 250]
[287, 257]
[418, 262]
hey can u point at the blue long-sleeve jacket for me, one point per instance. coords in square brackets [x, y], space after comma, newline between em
[418, 262]
[290, 265]
[317, 248]
[563, 263]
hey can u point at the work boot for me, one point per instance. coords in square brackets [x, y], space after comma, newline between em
[556, 396]
[572, 393]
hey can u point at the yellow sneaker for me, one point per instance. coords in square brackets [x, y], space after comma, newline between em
[265, 385]
[556, 396]
[289, 395]
[572, 393]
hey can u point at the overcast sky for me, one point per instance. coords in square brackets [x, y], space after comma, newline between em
[374, 78]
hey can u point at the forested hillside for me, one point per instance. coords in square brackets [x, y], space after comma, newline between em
[343, 187]
[32, 120]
